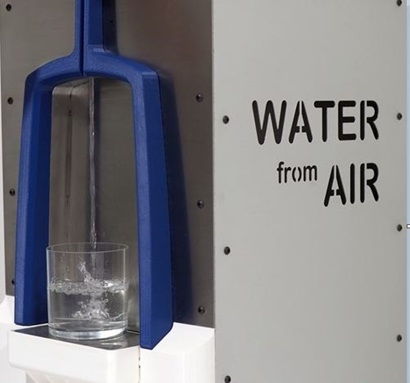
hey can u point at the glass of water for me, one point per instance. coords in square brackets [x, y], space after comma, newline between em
[87, 290]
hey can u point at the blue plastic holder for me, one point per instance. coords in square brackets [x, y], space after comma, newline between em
[90, 58]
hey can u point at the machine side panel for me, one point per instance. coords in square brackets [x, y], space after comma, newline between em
[310, 191]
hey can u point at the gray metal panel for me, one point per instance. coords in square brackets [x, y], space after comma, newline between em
[175, 38]
[32, 33]
[309, 293]
[69, 186]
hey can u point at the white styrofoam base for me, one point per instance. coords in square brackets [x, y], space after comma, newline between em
[54, 361]
[186, 355]
[8, 374]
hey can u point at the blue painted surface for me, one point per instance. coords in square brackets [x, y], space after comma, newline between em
[91, 59]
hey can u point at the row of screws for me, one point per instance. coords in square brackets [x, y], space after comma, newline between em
[226, 119]
[201, 309]
[9, 7]
[200, 203]
[399, 117]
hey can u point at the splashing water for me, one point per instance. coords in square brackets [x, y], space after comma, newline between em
[93, 304]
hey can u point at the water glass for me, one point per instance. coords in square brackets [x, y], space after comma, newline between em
[87, 290]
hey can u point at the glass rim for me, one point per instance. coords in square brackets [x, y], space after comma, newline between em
[59, 248]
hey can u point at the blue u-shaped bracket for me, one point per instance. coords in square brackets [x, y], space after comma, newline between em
[91, 59]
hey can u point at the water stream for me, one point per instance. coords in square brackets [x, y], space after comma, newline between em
[92, 169]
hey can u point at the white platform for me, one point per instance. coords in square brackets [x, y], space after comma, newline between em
[186, 355]
[8, 374]
[50, 360]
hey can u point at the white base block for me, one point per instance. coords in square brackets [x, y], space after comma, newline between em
[186, 355]
[54, 361]
[8, 374]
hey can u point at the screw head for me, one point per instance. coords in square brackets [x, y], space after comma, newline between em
[200, 97]
[13, 282]
[201, 310]
[399, 116]
[8, 7]
[399, 2]
[227, 250]
[399, 227]
[228, 379]
[12, 192]
[10, 100]
[399, 338]
[200, 204]
[225, 119]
